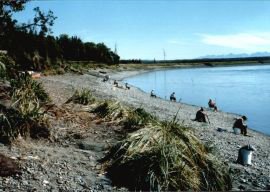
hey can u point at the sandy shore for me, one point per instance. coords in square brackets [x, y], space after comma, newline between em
[226, 143]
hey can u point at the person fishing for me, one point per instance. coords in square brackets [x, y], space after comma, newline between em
[201, 116]
[212, 104]
[115, 83]
[152, 94]
[106, 78]
[239, 123]
[172, 97]
[127, 87]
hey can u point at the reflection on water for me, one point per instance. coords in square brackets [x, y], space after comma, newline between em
[242, 89]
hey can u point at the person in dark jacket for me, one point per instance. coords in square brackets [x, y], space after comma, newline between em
[172, 97]
[201, 116]
[152, 94]
[127, 87]
[115, 83]
[239, 123]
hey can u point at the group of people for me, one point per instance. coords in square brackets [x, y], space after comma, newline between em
[172, 96]
[115, 83]
[239, 123]
[201, 116]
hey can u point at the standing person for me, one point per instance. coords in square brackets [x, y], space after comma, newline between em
[212, 104]
[239, 123]
[152, 94]
[201, 116]
[172, 97]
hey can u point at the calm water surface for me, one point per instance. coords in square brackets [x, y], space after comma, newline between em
[242, 89]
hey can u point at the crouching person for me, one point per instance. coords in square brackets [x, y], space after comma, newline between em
[201, 116]
[239, 123]
[152, 94]
[172, 97]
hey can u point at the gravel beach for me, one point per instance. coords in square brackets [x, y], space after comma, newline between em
[225, 143]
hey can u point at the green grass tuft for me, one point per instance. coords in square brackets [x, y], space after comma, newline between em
[83, 97]
[2, 70]
[137, 118]
[110, 110]
[25, 116]
[24, 87]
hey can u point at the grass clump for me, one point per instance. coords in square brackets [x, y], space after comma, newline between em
[83, 97]
[2, 70]
[137, 118]
[164, 156]
[7, 67]
[130, 118]
[26, 88]
[110, 110]
[25, 116]
[14, 123]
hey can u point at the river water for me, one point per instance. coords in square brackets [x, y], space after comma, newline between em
[243, 90]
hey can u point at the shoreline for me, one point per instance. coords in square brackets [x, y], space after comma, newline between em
[122, 75]
[226, 143]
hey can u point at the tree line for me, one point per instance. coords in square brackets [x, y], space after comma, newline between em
[32, 46]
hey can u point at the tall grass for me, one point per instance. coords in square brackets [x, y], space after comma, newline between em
[130, 118]
[110, 110]
[24, 87]
[83, 97]
[13, 123]
[7, 67]
[25, 116]
[2, 70]
[137, 118]
[165, 156]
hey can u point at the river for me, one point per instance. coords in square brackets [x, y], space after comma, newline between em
[243, 90]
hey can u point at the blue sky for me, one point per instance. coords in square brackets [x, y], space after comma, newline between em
[144, 28]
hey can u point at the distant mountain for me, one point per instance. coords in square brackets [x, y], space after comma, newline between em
[231, 55]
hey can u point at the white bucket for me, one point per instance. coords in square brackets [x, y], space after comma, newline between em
[246, 156]
[237, 131]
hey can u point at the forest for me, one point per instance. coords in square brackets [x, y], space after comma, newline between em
[32, 45]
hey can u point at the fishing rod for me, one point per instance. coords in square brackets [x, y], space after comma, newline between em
[207, 118]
